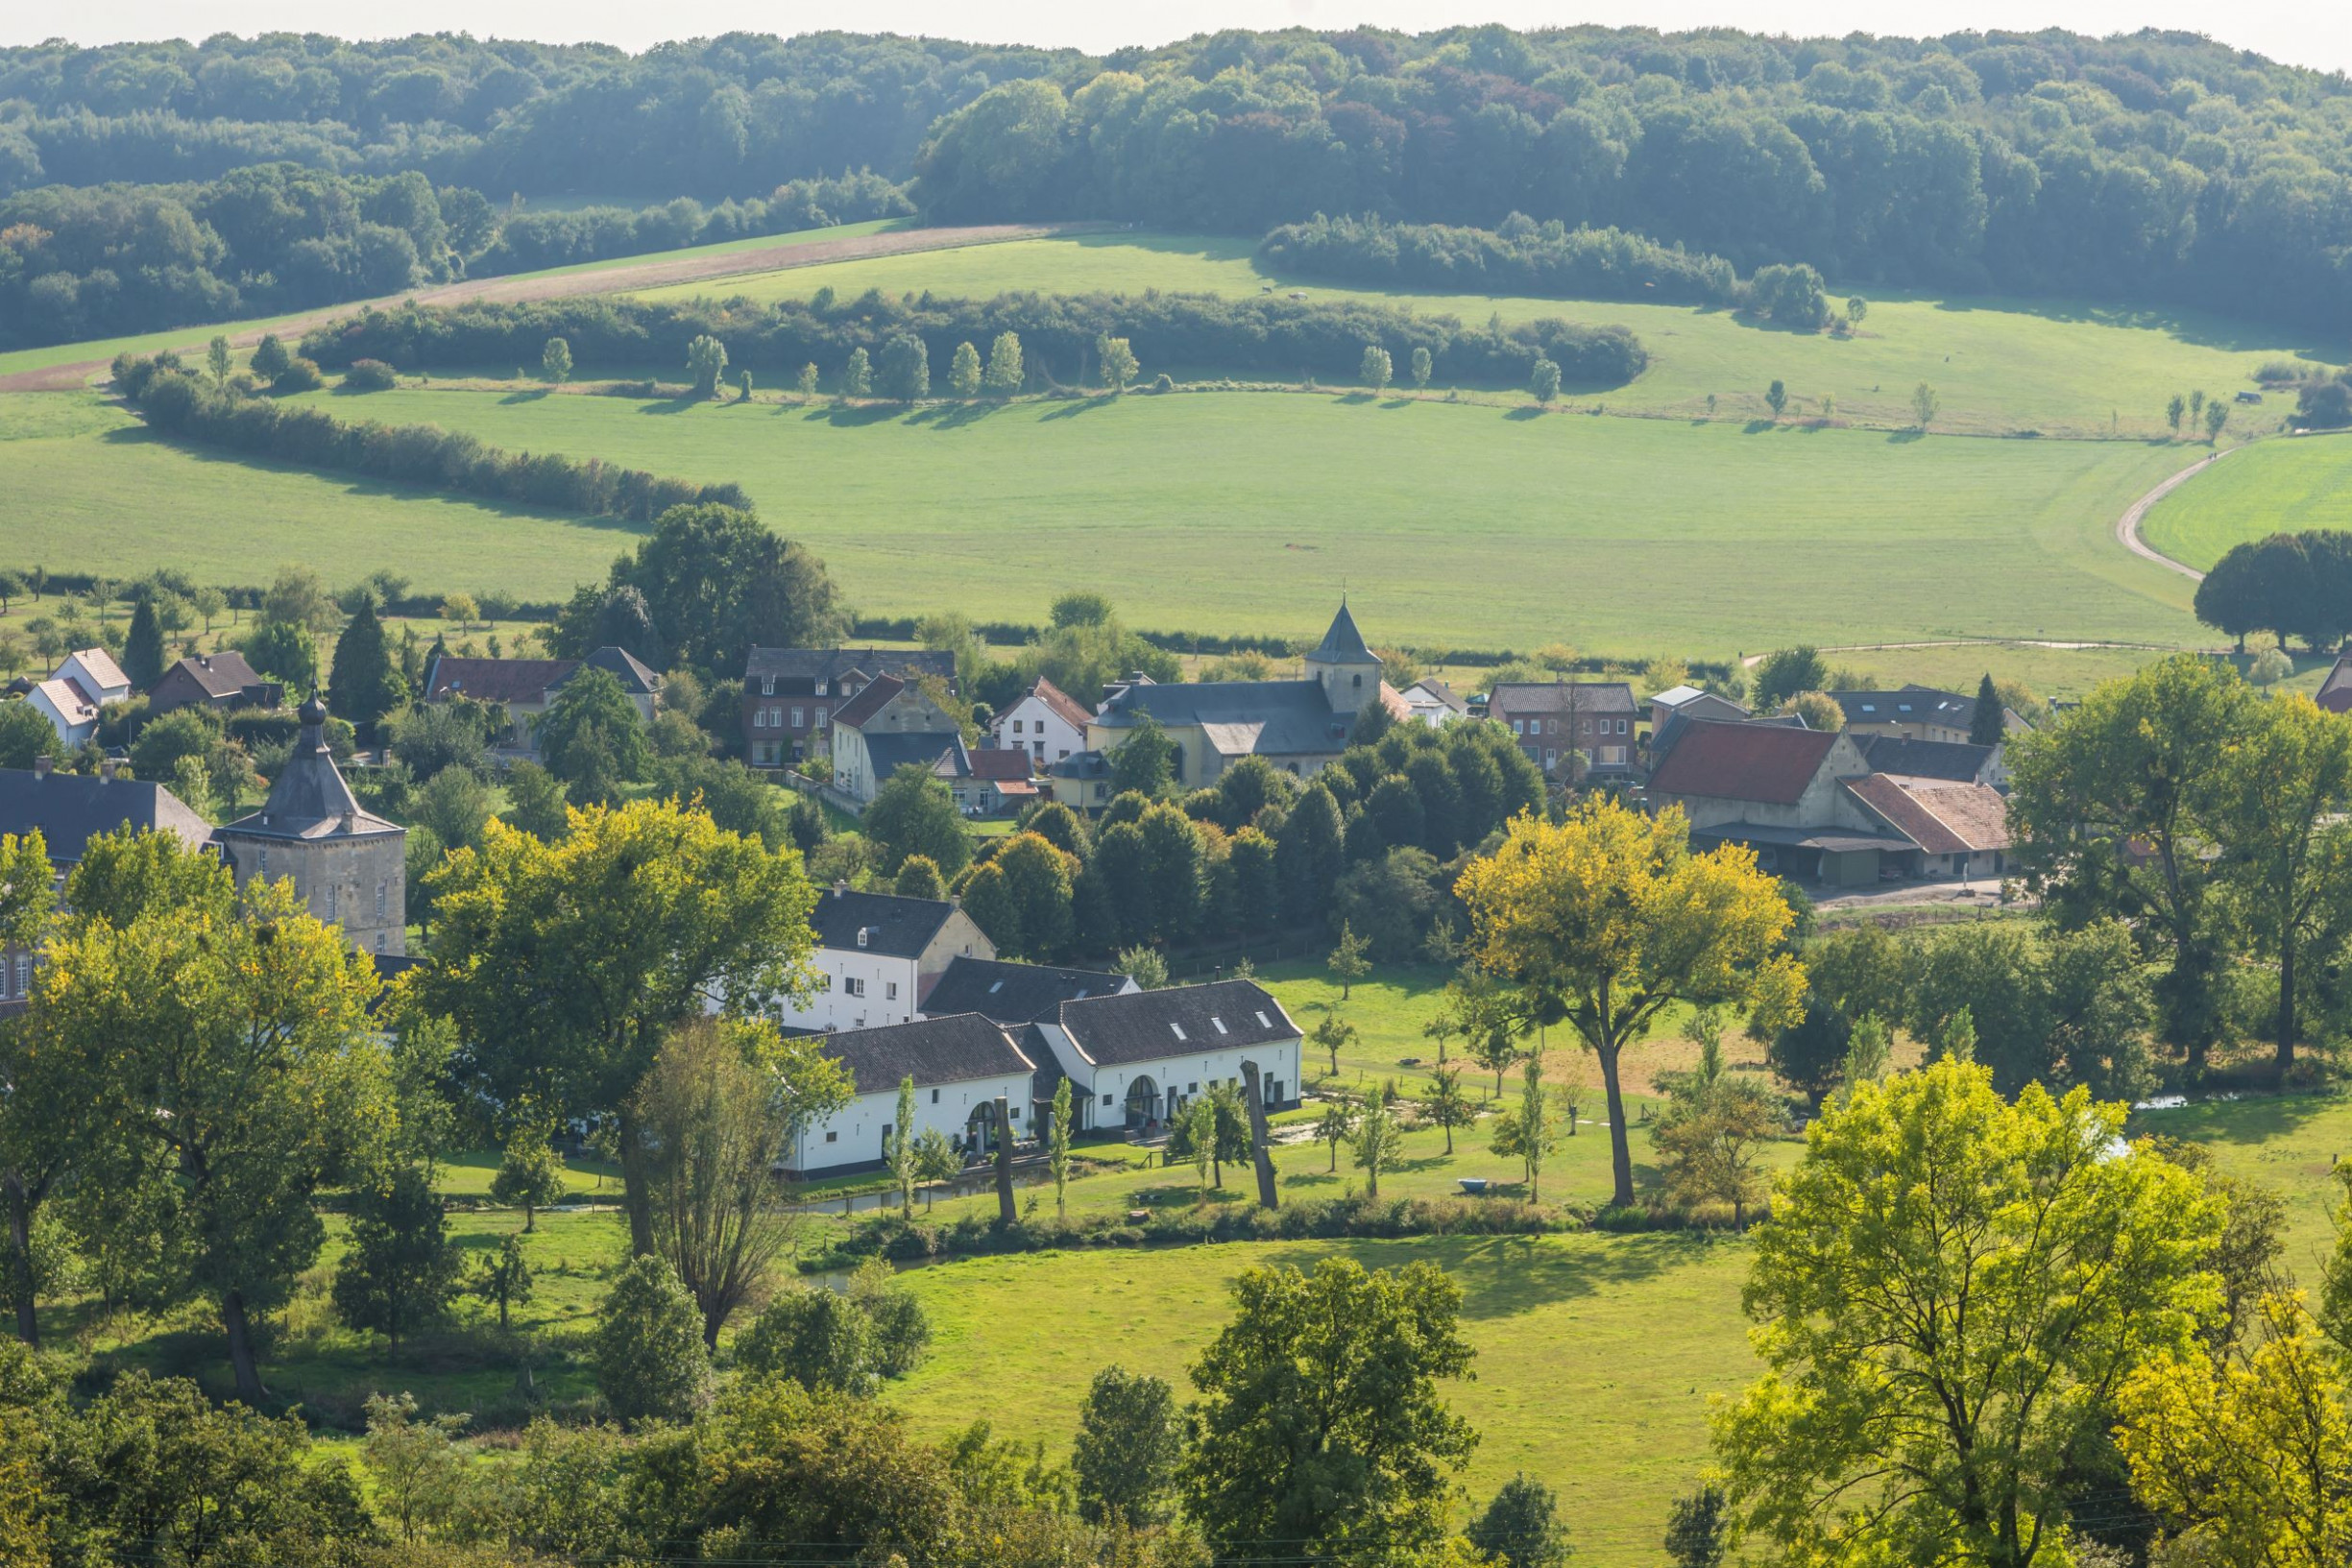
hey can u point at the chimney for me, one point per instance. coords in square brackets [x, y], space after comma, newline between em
[839, 887]
[106, 768]
[954, 901]
[351, 822]
[41, 767]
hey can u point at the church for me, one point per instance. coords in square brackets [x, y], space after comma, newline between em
[1298, 726]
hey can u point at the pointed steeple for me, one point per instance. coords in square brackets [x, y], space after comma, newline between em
[1349, 671]
[1343, 640]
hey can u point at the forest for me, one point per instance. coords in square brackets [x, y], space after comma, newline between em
[2156, 168]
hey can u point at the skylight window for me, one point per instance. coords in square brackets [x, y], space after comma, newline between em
[1220, 1025]
[1179, 1028]
[994, 989]
[1264, 1021]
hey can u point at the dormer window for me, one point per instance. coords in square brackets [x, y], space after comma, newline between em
[862, 931]
[767, 686]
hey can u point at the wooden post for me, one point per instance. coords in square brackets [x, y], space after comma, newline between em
[1004, 1161]
[1260, 1155]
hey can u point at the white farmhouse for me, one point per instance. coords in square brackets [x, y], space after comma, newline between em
[1047, 723]
[70, 699]
[1136, 1059]
[96, 671]
[877, 957]
[960, 1066]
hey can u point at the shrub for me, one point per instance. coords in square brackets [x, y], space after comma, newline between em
[647, 1346]
[302, 376]
[370, 375]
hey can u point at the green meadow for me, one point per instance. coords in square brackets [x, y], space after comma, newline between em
[1627, 535]
[2270, 487]
[1999, 366]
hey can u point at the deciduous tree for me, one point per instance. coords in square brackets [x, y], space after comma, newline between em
[648, 1348]
[1610, 912]
[1128, 1444]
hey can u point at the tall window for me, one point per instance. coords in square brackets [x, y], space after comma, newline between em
[331, 889]
[383, 895]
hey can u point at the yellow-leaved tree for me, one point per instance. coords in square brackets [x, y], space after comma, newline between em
[2249, 1461]
[1611, 913]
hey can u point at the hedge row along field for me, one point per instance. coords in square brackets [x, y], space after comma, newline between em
[1265, 335]
[178, 404]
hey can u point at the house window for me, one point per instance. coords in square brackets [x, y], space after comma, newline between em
[1519, 726]
[833, 1137]
[383, 893]
[798, 714]
[330, 901]
[855, 986]
[827, 987]
[1106, 1099]
[24, 974]
[767, 686]
[820, 718]
[889, 991]
[1016, 726]
[264, 870]
[934, 1096]
[1588, 726]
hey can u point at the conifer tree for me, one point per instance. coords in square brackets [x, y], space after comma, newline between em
[143, 651]
[366, 682]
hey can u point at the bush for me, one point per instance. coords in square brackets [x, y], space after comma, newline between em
[370, 375]
[1552, 261]
[647, 1346]
[302, 376]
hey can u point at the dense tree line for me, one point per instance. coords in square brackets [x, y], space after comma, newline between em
[2292, 584]
[1519, 257]
[183, 405]
[1058, 335]
[85, 262]
[729, 115]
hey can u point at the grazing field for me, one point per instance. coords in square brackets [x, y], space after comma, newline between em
[91, 490]
[1631, 536]
[2274, 486]
[1999, 364]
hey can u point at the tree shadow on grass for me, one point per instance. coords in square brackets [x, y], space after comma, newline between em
[1903, 437]
[1527, 411]
[528, 394]
[1074, 408]
[857, 416]
[1508, 1276]
[670, 405]
[1354, 399]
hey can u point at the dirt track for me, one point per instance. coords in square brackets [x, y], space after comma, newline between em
[613, 279]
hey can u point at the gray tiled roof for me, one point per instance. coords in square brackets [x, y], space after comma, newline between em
[1293, 717]
[896, 926]
[890, 750]
[69, 810]
[1014, 993]
[1181, 1020]
[1907, 705]
[1343, 641]
[804, 667]
[1589, 698]
[309, 798]
[1923, 759]
[931, 1051]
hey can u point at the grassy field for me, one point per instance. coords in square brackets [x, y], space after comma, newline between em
[2000, 365]
[2275, 485]
[1633, 536]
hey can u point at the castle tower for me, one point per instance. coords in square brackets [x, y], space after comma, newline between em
[348, 865]
[1348, 670]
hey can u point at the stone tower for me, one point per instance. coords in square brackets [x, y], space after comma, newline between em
[1348, 670]
[348, 865]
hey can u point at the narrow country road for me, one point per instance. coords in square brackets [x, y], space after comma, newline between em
[603, 280]
[2128, 526]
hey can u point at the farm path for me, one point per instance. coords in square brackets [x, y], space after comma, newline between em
[595, 281]
[2128, 526]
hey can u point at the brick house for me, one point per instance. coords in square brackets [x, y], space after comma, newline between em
[791, 695]
[1555, 721]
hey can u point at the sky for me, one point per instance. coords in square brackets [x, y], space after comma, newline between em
[2313, 33]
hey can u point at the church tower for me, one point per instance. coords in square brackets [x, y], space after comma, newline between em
[1348, 670]
[348, 864]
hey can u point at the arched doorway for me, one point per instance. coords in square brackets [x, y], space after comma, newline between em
[1144, 1103]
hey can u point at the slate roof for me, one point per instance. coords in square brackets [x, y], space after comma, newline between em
[1832, 840]
[931, 1051]
[867, 703]
[1742, 762]
[890, 750]
[797, 671]
[1343, 642]
[495, 680]
[1585, 698]
[2334, 693]
[1083, 764]
[1014, 993]
[1063, 705]
[308, 799]
[1955, 759]
[1439, 693]
[634, 678]
[221, 674]
[1907, 705]
[1281, 719]
[1181, 1020]
[895, 927]
[1939, 815]
[71, 808]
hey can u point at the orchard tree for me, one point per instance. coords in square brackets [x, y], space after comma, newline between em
[1953, 1290]
[218, 360]
[1923, 404]
[1528, 1131]
[904, 371]
[1118, 363]
[1348, 962]
[1320, 1422]
[1775, 398]
[963, 374]
[1447, 1106]
[2217, 418]
[555, 362]
[1376, 368]
[2175, 411]
[503, 1278]
[1422, 366]
[565, 966]
[1005, 371]
[1543, 380]
[1379, 1136]
[1612, 915]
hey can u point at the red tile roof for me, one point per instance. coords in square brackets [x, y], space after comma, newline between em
[1769, 762]
[1937, 814]
[872, 700]
[1063, 705]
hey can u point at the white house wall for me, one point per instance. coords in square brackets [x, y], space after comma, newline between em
[892, 985]
[853, 1135]
[1188, 1075]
